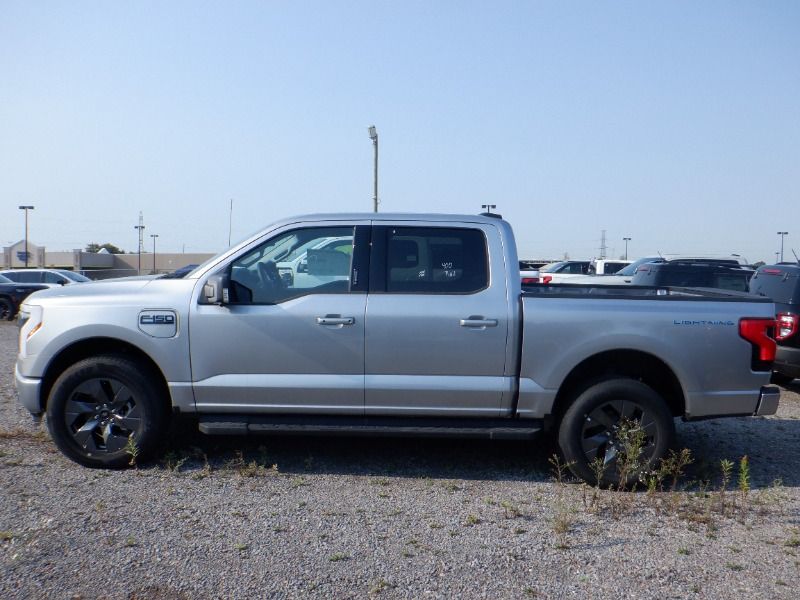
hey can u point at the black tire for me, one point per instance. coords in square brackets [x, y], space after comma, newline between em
[6, 310]
[590, 429]
[781, 378]
[99, 403]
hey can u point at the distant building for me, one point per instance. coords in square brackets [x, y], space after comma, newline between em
[97, 265]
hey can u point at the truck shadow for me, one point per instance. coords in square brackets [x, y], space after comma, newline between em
[373, 457]
[772, 446]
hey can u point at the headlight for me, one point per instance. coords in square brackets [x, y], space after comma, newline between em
[30, 321]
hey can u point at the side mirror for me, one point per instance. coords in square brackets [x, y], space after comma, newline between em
[215, 290]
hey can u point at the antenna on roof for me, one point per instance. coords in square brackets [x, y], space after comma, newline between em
[489, 212]
[795, 256]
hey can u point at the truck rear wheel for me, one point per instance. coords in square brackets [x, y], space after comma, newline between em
[614, 431]
[105, 411]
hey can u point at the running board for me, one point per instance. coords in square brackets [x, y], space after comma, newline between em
[496, 429]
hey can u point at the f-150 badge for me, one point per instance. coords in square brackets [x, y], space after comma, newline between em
[158, 323]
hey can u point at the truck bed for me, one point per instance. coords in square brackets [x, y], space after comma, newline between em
[629, 330]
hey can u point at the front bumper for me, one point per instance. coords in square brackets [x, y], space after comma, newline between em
[28, 392]
[768, 400]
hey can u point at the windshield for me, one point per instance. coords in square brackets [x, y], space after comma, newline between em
[77, 277]
[551, 268]
[4, 279]
[631, 268]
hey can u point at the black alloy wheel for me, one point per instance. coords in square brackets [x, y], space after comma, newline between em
[106, 411]
[609, 421]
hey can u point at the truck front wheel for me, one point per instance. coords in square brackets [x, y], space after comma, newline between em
[614, 431]
[106, 411]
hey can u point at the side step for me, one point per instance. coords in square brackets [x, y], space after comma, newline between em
[496, 429]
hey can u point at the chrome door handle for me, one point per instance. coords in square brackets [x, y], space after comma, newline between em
[335, 320]
[477, 322]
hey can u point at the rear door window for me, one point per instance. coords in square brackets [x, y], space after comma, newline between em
[435, 260]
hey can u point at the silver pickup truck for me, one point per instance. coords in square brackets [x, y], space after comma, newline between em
[386, 324]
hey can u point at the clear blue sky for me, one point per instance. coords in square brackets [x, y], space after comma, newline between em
[674, 123]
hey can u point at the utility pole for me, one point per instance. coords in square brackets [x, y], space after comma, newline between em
[603, 246]
[626, 240]
[154, 236]
[373, 135]
[140, 227]
[26, 209]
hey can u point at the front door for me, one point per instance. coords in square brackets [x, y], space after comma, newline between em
[291, 337]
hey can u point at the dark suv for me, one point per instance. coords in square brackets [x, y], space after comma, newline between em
[782, 284]
[693, 274]
[12, 294]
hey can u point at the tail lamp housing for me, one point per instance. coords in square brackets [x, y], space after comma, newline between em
[759, 332]
[787, 326]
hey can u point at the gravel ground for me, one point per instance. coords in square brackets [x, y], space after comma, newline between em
[341, 518]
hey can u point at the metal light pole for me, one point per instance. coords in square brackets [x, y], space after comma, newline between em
[373, 135]
[154, 236]
[782, 234]
[626, 240]
[230, 224]
[140, 228]
[489, 207]
[26, 209]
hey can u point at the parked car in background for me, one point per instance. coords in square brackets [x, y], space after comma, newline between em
[625, 275]
[317, 261]
[12, 294]
[529, 271]
[693, 274]
[603, 266]
[781, 283]
[558, 272]
[49, 277]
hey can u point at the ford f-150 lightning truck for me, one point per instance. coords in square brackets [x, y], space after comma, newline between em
[418, 326]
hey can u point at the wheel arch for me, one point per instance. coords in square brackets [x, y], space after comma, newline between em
[89, 347]
[630, 364]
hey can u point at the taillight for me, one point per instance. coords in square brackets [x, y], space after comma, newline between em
[529, 280]
[788, 324]
[759, 333]
[547, 278]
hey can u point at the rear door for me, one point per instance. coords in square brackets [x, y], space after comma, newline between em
[437, 321]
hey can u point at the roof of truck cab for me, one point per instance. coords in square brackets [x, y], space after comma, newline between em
[371, 216]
